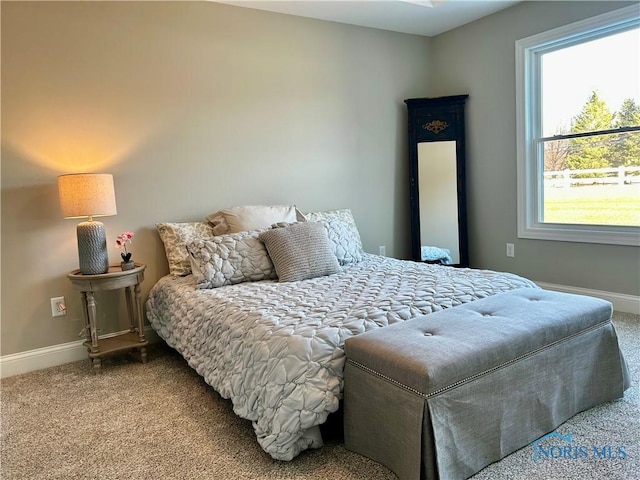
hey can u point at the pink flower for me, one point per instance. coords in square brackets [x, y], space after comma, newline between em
[121, 242]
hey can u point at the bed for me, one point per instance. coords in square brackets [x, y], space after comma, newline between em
[274, 347]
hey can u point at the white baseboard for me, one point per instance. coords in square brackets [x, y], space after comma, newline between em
[40, 358]
[622, 302]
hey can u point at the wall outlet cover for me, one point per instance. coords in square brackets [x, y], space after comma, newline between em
[511, 251]
[58, 307]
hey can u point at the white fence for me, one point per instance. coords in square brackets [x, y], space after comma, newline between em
[603, 176]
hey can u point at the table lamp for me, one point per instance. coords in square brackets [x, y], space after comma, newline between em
[89, 195]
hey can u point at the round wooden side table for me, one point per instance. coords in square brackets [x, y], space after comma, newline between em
[114, 279]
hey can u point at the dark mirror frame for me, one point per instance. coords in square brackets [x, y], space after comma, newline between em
[437, 119]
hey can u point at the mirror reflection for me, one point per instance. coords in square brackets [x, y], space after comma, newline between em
[438, 198]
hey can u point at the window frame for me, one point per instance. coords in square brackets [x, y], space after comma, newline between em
[530, 161]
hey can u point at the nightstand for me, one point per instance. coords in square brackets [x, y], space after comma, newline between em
[114, 279]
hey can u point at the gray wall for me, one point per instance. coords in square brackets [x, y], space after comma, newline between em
[479, 59]
[193, 107]
[198, 106]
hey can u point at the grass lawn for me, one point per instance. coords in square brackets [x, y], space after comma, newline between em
[593, 205]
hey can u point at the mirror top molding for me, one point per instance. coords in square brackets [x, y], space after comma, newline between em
[436, 119]
[435, 101]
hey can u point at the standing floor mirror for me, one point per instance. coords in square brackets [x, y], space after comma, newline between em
[437, 180]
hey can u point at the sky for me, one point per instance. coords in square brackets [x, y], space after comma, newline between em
[610, 66]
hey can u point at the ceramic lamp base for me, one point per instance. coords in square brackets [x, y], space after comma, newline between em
[92, 248]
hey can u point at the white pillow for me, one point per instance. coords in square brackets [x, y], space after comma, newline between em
[230, 259]
[342, 232]
[251, 217]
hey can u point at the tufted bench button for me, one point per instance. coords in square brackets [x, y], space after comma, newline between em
[427, 334]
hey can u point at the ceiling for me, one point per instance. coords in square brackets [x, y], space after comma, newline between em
[418, 17]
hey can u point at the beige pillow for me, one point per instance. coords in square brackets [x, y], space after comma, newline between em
[175, 237]
[251, 217]
[300, 251]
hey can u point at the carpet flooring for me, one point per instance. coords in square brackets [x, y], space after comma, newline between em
[161, 421]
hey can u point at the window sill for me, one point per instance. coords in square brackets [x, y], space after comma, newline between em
[610, 235]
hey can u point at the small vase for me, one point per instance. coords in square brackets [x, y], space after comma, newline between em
[130, 265]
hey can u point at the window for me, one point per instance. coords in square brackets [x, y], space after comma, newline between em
[578, 125]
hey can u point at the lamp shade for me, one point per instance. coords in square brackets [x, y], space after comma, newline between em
[87, 195]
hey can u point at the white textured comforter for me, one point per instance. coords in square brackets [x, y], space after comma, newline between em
[275, 349]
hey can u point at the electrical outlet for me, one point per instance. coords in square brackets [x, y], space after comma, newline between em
[58, 307]
[383, 250]
[511, 250]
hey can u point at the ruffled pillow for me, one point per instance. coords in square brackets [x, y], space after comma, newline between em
[230, 259]
[342, 232]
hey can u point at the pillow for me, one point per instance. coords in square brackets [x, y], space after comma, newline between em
[175, 237]
[251, 217]
[300, 251]
[230, 259]
[345, 241]
[342, 232]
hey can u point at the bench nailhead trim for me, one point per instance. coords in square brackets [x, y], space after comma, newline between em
[477, 375]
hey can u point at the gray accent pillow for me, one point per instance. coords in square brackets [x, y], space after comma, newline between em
[230, 259]
[175, 237]
[342, 232]
[300, 251]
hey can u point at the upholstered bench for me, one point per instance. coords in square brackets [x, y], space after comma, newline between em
[444, 395]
